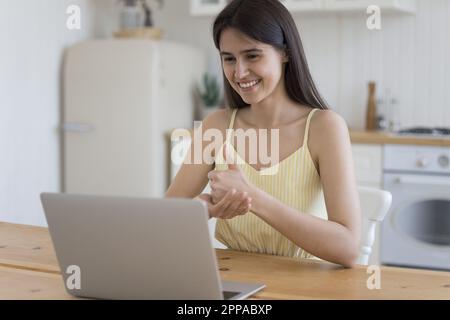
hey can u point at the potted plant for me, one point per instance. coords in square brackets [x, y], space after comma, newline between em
[210, 95]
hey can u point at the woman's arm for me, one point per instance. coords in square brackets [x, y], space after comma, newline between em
[192, 177]
[336, 240]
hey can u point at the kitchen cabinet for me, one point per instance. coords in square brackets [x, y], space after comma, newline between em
[384, 5]
[367, 159]
[207, 7]
[303, 5]
[213, 7]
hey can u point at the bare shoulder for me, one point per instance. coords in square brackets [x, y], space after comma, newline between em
[326, 122]
[328, 131]
[218, 119]
[328, 119]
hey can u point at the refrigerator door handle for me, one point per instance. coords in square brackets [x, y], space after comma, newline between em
[77, 127]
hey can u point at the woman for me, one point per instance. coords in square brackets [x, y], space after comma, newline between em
[309, 206]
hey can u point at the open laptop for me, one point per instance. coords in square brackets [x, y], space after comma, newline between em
[132, 248]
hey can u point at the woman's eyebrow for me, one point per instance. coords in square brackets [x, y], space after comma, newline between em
[223, 53]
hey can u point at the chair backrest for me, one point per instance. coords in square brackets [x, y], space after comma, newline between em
[375, 204]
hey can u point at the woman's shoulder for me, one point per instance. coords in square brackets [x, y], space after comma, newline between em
[327, 131]
[326, 122]
[219, 119]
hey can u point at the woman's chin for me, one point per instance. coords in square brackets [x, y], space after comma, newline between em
[250, 100]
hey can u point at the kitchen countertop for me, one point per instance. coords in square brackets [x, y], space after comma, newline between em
[29, 270]
[379, 137]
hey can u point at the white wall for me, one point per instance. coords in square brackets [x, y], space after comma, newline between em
[33, 36]
[409, 56]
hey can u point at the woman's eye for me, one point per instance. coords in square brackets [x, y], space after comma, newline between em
[252, 56]
[228, 59]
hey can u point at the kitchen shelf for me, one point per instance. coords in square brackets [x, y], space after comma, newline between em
[143, 32]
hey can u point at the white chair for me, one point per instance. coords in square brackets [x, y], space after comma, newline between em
[375, 204]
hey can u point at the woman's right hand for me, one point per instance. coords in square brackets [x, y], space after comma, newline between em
[231, 205]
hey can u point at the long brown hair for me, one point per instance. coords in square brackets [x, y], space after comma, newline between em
[269, 22]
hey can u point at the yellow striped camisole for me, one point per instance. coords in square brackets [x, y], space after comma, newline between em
[296, 183]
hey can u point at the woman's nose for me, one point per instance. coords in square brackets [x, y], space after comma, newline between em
[241, 70]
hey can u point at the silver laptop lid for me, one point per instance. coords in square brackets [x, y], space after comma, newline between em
[130, 248]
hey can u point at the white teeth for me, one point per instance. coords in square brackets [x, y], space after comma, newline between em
[248, 84]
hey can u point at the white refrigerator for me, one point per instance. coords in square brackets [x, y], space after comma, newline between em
[121, 98]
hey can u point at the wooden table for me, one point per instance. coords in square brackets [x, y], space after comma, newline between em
[29, 270]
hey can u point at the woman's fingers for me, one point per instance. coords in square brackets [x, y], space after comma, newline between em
[235, 203]
[239, 206]
[233, 209]
[221, 207]
[232, 204]
[217, 195]
[245, 206]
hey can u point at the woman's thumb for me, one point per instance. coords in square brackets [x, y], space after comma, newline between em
[229, 159]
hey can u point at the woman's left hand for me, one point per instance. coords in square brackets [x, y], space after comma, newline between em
[223, 181]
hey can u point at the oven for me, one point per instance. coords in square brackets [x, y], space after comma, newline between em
[416, 231]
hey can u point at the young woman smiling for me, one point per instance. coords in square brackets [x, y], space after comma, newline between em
[309, 207]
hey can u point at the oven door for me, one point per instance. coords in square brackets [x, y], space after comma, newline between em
[416, 231]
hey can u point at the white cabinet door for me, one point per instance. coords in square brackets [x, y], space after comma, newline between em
[368, 164]
[207, 7]
[303, 5]
[388, 5]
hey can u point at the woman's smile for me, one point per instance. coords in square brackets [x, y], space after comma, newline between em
[249, 86]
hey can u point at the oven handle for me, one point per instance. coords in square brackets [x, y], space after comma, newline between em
[432, 181]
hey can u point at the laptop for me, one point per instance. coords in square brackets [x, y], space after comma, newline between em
[136, 248]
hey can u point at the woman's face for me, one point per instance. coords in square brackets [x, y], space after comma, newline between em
[253, 69]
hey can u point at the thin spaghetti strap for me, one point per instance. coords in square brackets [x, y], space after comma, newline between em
[230, 127]
[233, 116]
[305, 139]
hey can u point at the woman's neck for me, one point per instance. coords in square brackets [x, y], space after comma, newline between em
[275, 111]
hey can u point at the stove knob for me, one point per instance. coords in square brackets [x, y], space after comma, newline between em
[422, 162]
[444, 161]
